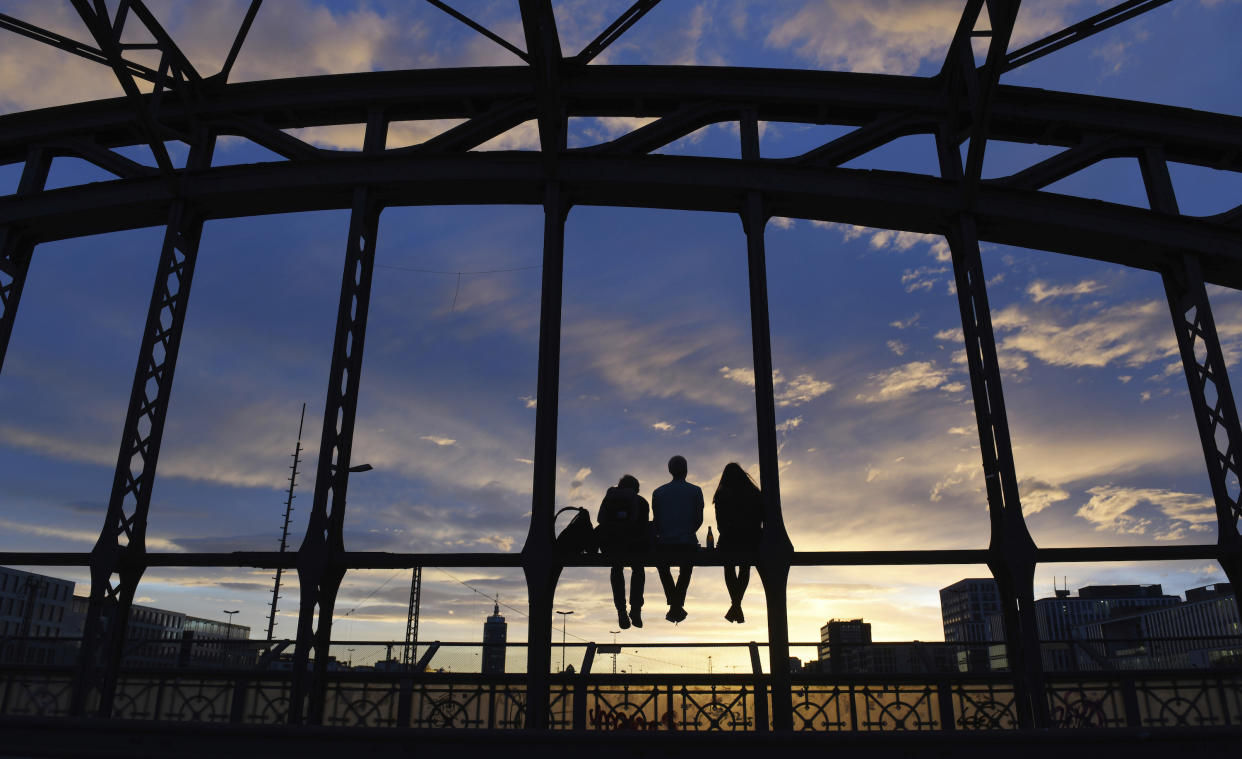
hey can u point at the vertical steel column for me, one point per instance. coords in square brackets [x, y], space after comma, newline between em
[539, 564]
[1011, 551]
[541, 568]
[320, 570]
[15, 250]
[1207, 377]
[119, 556]
[775, 548]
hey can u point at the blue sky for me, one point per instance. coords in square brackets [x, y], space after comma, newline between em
[878, 445]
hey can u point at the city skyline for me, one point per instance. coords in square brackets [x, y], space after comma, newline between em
[876, 430]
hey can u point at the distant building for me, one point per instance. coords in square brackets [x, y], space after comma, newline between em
[495, 635]
[35, 606]
[840, 644]
[1059, 616]
[964, 610]
[39, 606]
[209, 642]
[161, 638]
[1119, 627]
[846, 647]
[1200, 633]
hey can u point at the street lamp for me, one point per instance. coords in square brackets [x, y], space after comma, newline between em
[564, 621]
[229, 632]
[615, 633]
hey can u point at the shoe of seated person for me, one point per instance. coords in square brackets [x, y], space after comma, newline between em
[636, 616]
[623, 621]
[679, 614]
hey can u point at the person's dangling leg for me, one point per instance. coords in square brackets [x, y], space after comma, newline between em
[617, 578]
[638, 584]
[683, 585]
[670, 590]
[743, 579]
[730, 576]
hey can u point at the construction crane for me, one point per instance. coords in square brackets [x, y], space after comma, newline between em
[284, 530]
[411, 621]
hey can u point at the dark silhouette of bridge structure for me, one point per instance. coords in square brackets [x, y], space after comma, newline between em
[965, 104]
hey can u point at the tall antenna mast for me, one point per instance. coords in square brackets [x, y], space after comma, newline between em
[411, 620]
[284, 530]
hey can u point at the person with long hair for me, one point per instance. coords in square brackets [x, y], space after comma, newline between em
[739, 520]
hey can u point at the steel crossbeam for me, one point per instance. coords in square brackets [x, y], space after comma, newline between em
[320, 570]
[1058, 223]
[1019, 114]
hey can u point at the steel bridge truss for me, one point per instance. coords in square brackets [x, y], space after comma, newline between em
[965, 104]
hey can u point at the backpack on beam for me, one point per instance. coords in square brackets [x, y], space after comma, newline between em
[578, 537]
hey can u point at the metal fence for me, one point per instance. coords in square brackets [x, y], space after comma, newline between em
[606, 702]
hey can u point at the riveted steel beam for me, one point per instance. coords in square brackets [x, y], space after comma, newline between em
[117, 562]
[1207, 376]
[16, 249]
[319, 567]
[1019, 114]
[1011, 550]
[1075, 226]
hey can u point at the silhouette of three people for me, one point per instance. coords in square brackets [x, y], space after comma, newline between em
[676, 514]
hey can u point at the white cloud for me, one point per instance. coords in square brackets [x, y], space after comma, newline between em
[906, 380]
[890, 36]
[663, 426]
[77, 536]
[782, 222]
[438, 440]
[789, 424]
[1165, 513]
[891, 239]
[1040, 290]
[906, 324]
[897, 347]
[1130, 334]
[803, 388]
[1037, 495]
[740, 376]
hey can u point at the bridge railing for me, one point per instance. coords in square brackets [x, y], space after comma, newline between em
[647, 701]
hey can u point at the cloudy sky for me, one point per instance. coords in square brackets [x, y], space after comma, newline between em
[878, 448]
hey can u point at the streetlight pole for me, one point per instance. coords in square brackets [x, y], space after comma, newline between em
[615, 633]
[228, 633]
[564, 622]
